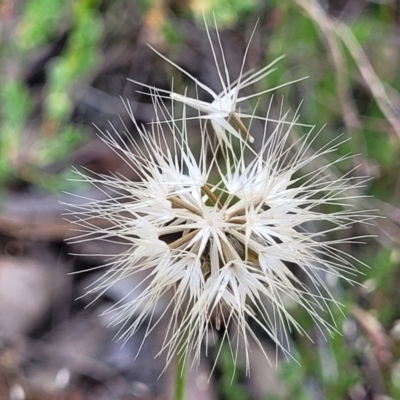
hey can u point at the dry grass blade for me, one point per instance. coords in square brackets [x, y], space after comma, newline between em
[333, 29]
[327, 27]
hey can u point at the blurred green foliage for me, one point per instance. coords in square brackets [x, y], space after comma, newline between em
[40, 23]
[227, 12]
[230, 387]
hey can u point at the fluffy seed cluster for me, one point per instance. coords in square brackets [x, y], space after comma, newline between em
[221, 232]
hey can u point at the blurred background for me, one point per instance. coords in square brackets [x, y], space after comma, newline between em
[64, 66]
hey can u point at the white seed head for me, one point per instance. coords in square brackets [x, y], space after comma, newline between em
[240, 245]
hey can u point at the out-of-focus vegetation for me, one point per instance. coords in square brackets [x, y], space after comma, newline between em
[52, 48]
[63, 66]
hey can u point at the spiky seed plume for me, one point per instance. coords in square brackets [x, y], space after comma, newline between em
[224, 111]
[240, 243]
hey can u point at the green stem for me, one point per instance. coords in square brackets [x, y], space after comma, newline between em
[180, 379]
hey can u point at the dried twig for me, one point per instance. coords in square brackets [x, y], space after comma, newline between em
[327, 27]
[333, 29]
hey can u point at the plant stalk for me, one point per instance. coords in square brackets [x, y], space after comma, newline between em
[180, 379]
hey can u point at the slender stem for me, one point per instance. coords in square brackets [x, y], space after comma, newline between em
[180, 379]
[176, 201]
[184, 239]
[240, 125]
[238, 220]
[226, 251]
[211, 195]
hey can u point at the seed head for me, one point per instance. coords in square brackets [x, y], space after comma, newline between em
[226, 239]
[224, 110]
